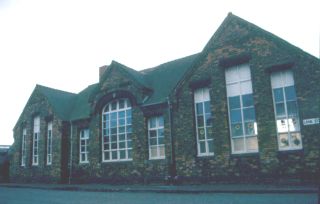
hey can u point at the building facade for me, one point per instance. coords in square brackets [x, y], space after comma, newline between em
[246, 108]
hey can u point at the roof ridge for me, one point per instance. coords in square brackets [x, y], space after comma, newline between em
[54, 89]
[148, 70]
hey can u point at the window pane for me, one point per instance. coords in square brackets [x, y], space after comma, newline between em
[238, 144]
[129, 153]
[106, 155]
[114, 105]
[234, 102]
[293, 124]
[278, 95]
[236, 129]
[249, 128]
[209, 133]
[202, 147]
[153, 152]
[292, 108]
[210, 145]
[113, 123]
[129, 121]
[283, 140]
[153, 133]
[128, 112]
[247, 100]
[113, 145]
[280, 109]
[235, 116]
[122, 129]
[128, 136]
[113, 131]
[128, 103]
[122, 136]
[208, 119]
[282, 125]
[232, 75]
[121, 104]
[152, 122]
[200, 121]
[207, 107]
[244, 72]
[201, 133]
[252, 143]
[121, 114]
[296, 140]
[160, 132]
[246, 87]
[199, 108]
[249, 114]
[121, 122]
[122, 154]
[106, 146]
[129, 129]
[161, 140]
[129, 143]
[114, 155]
[153, 141]
[160, 121]
[290, 93]
[233, 90]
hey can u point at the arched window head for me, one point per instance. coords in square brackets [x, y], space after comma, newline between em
[117, 131]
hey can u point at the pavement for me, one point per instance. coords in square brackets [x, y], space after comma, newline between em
[161, 188]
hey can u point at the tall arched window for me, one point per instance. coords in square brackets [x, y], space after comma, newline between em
[116, 131]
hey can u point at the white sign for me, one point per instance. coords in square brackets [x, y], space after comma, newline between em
[311, 121]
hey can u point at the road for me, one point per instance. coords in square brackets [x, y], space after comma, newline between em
[36, 196]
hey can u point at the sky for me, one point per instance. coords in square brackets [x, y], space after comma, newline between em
[62, 43]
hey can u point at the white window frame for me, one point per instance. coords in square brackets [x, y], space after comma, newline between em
[23, 147]
[202, 96]
[239, 83]
[49, 143]
[35, 141]
[282, 80]
[116, 139]
[83, 148]
[158, 128]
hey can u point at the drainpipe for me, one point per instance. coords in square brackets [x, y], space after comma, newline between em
[173, 159]
[71, 152]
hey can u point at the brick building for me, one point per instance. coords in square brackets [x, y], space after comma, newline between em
[237, 111]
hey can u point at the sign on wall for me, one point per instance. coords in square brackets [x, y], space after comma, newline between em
[311, 121]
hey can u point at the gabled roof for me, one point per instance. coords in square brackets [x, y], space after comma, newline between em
[131, 73]
[61, 101]
[165, 77]
[81, 106]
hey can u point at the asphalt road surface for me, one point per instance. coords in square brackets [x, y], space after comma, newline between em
[36, 196]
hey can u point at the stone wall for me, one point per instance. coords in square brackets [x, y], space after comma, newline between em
[233, 43]
[37, 106]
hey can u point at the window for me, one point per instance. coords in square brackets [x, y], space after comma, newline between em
[156, 138]
[203, 122]
[286, 110]
[35, 144]
[242, 119]
[117, 131]
[23, 147]
[84, 138]
[49, 144]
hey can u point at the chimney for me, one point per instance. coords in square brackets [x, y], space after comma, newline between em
[102, 70]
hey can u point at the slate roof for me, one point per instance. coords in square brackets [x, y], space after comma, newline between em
[160, 79]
